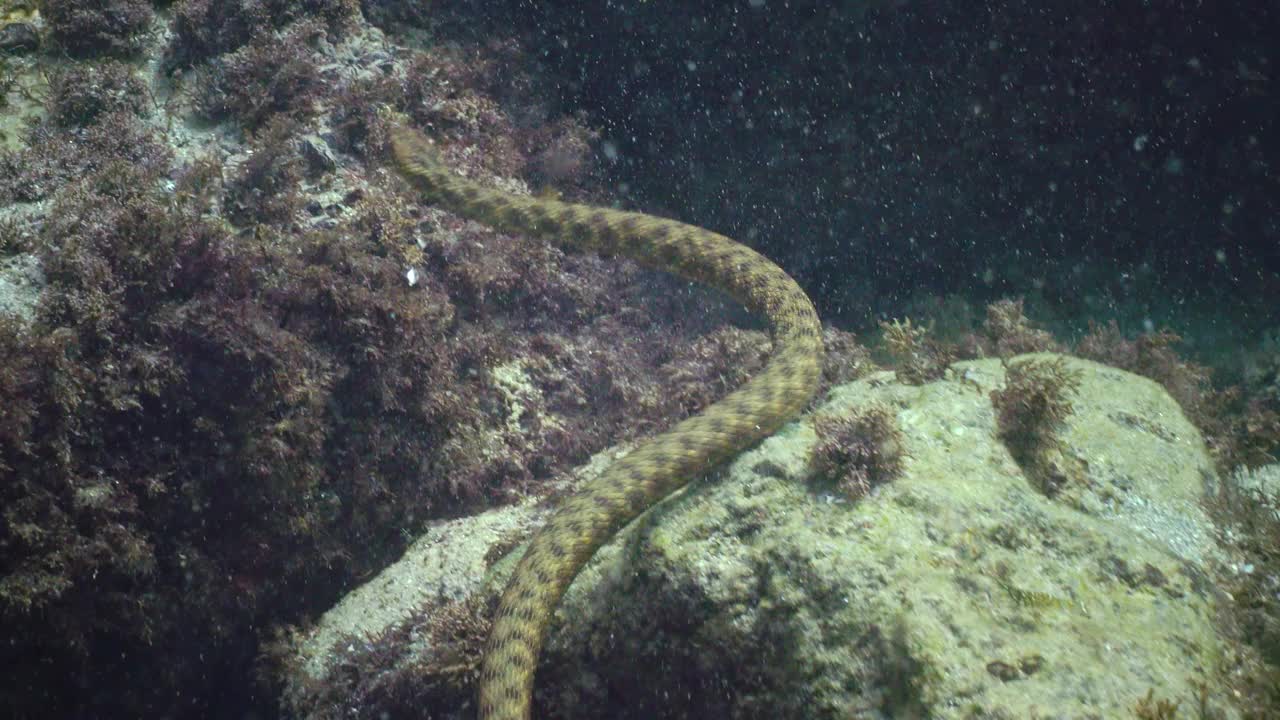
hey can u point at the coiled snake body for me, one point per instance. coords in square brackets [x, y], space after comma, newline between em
[661, 464]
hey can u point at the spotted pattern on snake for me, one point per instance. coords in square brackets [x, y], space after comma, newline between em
[662, 464]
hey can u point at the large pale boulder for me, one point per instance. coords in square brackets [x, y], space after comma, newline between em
[958, 590]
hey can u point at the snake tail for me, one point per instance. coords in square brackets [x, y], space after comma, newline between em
[661, 464]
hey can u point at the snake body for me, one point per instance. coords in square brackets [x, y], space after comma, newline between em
[662, 464]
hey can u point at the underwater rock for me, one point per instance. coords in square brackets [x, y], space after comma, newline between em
[318, 154]
[18, 38]
[956, 590]
[21, 280]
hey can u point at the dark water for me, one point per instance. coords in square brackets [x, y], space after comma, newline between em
[1110, 158]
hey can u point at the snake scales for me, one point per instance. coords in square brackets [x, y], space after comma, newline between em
[660, 465]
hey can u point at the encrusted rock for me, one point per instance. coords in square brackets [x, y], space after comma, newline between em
[958, 590]
[318, 154]
[19, 37]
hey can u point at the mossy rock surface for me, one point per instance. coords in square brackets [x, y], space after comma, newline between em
[958, 590]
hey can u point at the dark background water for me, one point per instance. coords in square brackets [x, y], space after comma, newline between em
[1112, 159]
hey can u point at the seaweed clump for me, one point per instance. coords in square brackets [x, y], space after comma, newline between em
[1007, 331]
[265, 188]
[54, 155]
[93, 27]
[83, 93]
[919, 357]
[429, 659]
[273, 74]
[204, 429]
[1247, 507]
[859, 451]
[204, 29]
[845, 360]
[1030, 410]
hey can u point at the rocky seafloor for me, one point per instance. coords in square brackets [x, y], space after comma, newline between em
[959, 587]
[242, 369]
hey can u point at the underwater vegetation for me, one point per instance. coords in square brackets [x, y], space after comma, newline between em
[173, 416]
[85, 28]
[208, 29]
[858, 451]
[257, 366]
[233, 398]
[918, 357]
[1030, 408]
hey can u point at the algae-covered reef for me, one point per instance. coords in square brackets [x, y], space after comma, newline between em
[249, 366]
[241, 366]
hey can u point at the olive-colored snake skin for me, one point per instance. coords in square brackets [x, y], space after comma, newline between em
[660, 465]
